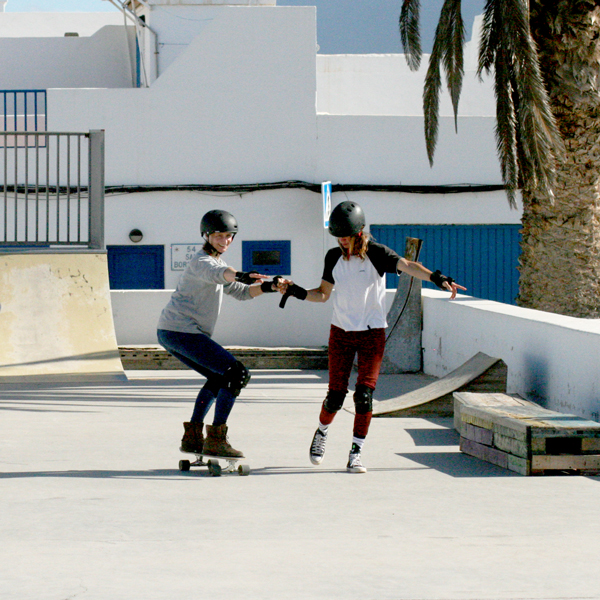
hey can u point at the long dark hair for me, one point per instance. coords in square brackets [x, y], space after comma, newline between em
[359, 243]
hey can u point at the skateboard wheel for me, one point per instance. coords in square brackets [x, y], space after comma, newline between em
[184, 465]
[244, 470]
[214, 468]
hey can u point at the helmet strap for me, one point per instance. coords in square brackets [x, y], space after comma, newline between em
[209, 248]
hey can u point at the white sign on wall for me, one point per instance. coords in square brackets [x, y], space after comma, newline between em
[181, 254]
[326, 193]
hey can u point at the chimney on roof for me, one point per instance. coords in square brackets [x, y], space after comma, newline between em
[2, 5]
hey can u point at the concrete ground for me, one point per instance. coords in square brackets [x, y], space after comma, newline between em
[93, 506]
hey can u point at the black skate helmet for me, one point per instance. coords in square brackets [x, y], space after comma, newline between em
[346, 219]
[218, 221]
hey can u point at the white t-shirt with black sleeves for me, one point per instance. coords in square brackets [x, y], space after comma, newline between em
[359, 296]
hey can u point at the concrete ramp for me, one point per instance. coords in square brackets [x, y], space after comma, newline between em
[481, 373]
[56, 322]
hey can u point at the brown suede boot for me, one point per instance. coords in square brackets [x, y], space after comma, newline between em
[216, 443]
[193, 438]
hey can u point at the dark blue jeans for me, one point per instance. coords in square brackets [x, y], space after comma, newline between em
[205, 356]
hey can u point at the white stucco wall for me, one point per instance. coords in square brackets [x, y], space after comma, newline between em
[382, 84]
[96, 61]
[391, 150]
[551, 358]
[238, 104]
[232, 108]
[176, 23]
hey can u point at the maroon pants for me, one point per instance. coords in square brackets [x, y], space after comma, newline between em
[369, 345]
[344, 346]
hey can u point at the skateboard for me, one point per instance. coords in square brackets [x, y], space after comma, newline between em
[212, 462]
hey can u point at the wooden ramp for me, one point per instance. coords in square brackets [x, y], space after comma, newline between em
[481, 373]
[56, 321]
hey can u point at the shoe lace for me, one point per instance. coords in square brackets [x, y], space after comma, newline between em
[355, 460]
[318, 445]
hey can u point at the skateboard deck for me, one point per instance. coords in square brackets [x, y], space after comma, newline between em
[212, 462]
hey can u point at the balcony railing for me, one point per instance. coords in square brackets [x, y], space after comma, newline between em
[51, 189]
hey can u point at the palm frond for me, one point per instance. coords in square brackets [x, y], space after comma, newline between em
[506, 128]
[431, 101]
[453, 55]
[410, 34]
[507, 46]
[489, 39]
[538, 131]
[447, 50]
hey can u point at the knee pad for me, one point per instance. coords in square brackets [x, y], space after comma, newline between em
[363, 399]
[236, 378]
[334, 401]
[213, 385]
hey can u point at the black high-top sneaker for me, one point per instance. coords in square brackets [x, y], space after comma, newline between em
[317, 447]
[355, 464]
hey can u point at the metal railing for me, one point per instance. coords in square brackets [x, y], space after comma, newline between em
[23, 110]
[51, 189]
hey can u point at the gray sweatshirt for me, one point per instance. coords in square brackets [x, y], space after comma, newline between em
[195, 304]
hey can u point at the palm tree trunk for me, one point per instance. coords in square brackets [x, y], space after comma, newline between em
[560, 250]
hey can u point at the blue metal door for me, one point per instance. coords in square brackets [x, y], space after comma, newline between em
[136, 267]
[483, 258]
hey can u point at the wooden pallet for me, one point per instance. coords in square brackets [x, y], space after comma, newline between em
[524, 437]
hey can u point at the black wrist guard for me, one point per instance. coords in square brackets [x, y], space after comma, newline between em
[439, 279]
[267, 287]
[293, 290]
[244, 277]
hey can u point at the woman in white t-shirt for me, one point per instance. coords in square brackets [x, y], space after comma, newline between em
[356, 269]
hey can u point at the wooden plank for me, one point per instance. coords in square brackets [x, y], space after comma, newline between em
[478, 434]
[490, 399]
[511, 445]
[477, 421]
[403, 350]
[520, 434]
[491, 455]
[538, 445]
[497, 403]
[566, 424]
[590, 444]
[492, 418]
[466, 373]
[565, 462]
[519, 465]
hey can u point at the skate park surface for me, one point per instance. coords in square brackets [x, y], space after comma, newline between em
[93, 505]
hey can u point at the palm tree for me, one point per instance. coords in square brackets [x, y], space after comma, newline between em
[545, 59]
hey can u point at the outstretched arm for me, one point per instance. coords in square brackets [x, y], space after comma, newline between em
[415, 269]
[288, 288]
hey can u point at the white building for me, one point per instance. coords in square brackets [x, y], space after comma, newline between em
[220, 104]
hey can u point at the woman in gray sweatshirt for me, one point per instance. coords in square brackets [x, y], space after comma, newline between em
[187, 323]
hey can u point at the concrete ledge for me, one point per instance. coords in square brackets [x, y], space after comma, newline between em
[155, 357]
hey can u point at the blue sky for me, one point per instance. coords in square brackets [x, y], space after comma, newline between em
[59, 6]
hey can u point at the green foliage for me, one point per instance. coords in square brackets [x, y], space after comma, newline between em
[526, 134]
